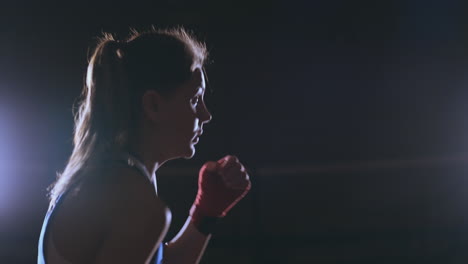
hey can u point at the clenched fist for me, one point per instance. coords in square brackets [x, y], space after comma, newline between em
[221, 185]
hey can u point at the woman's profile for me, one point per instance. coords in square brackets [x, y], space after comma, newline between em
[142, 105]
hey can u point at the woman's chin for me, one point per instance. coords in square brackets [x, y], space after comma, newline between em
[190, 152]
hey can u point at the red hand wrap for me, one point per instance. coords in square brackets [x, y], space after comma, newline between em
[214, 198]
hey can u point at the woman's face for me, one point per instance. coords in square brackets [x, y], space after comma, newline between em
[182, 117]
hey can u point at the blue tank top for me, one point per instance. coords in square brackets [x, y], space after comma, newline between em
[122, 157]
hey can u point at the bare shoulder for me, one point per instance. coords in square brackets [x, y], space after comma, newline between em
[131, 192]
[111, 208]
[140, 220]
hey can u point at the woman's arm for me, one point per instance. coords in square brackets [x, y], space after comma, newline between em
[187, 246]
[221, 185]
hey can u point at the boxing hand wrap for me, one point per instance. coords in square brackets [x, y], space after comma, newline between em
[214, 198]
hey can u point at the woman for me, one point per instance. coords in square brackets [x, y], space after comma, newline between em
[142, 105]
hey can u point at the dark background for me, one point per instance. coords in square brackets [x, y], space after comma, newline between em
[351, 116]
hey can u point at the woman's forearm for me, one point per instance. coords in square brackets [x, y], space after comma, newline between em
[187, 247]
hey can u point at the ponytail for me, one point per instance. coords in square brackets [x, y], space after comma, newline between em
[103, 115]
[111, 101]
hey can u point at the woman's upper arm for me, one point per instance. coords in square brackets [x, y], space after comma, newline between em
[138, 222]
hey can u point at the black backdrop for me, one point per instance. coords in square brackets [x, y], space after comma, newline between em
[350, 115]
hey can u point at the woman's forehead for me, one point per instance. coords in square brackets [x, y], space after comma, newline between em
[193, 85]
[197, 81]
[198, 78]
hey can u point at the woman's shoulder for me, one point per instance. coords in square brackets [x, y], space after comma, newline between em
[113, 191]
[127, 189]
[105, 202]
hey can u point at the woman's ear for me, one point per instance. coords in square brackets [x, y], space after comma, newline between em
[151, 104]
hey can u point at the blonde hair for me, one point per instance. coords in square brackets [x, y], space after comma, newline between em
[118, 73]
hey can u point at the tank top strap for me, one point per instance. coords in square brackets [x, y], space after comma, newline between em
[133, 161]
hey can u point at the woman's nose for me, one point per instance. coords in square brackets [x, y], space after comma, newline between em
[206, 115]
